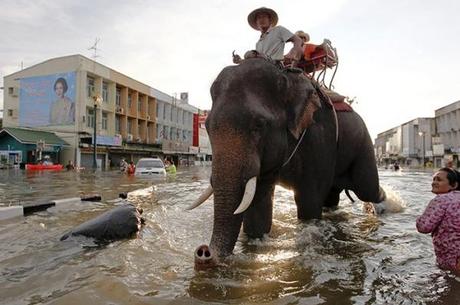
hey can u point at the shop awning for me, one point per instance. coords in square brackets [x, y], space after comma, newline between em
[30, 136]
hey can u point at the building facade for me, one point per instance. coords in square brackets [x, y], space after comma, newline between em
[448, 131]
[75, 97]
[422, 141]
[201, 138]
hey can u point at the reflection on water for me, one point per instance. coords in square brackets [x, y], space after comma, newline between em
[348, 257]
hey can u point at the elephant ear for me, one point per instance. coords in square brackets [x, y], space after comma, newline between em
[302, 102]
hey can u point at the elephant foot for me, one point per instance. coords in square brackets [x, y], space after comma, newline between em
[368, 208]
[204, 258]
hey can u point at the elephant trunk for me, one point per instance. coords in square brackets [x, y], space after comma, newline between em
[230, 176]
[225, 229]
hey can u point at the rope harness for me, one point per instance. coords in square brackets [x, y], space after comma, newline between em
[328, 100]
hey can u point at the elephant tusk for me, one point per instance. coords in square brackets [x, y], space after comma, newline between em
[203, 197]
[249, 192]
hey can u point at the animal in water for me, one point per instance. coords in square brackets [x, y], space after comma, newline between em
[118, 223]
[256, 129]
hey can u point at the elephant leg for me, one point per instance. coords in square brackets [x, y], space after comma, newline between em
[332, 200]
[258, 218]
[365, 180]
[309, 203]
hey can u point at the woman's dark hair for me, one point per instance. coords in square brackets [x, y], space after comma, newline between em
[63, 83]
[453, 176]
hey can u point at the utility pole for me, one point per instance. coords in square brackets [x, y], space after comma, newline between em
[422, 134]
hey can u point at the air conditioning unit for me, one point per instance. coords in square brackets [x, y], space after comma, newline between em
[130, 137]
[139, 140]
[148, 117]
[119, 110]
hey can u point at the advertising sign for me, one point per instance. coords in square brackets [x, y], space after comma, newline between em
[108, 140]
[47, 100]
[438, 149]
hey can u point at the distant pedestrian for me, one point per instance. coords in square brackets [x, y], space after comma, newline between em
[441, 218]
[123, 165]
[131, 168]
[70, 166]
[170, 167]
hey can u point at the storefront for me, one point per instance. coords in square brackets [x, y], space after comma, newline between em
[19, 146]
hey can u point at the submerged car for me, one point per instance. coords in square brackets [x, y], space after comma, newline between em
[150, 167]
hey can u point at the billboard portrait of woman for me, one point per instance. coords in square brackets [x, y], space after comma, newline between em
[62, 110]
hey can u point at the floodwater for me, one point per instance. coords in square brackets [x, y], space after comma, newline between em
[348, 257]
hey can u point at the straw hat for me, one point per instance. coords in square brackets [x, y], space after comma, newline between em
[262, 10]
[304, 35]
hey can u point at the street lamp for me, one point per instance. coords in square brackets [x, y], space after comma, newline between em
[422, 134]
[97, 101]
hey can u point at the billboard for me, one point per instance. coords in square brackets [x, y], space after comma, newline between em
[47, 100]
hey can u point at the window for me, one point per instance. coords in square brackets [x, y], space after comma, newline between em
[165, 132]
[130, 100]
[130, 126]
[139, 105]
[118, 97]
[159, 130]
[90, 86]
[105, 92]
[158, 108]
[10, 90]
[90, 116]
[172, 134]
[117, 124]
[104, 120]
[165, 111]
[10, 112]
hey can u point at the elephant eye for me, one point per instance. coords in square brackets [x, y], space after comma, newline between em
[259, 125]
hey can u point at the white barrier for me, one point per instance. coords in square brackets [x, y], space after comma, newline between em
[30, 208]
[67, 200]
[10, 212]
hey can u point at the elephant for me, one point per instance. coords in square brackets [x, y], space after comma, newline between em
[118, 223]
[271, 126]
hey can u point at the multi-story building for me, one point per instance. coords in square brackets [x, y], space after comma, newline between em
[201, 138]
[174, 127]
[410, 143]
[430, 139]
[388, 146]
[417, 141]
[448, 131]
[76, 97]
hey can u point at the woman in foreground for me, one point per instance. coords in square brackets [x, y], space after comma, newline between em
[441, 218]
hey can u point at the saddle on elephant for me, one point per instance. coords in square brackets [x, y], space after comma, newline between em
[318, 57]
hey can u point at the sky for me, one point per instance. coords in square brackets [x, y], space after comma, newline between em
[398, 58]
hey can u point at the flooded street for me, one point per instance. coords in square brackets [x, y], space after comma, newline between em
[348, 257]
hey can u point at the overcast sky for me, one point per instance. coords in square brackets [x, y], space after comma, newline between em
[398, 57]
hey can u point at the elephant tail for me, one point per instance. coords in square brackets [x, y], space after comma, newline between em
[349, 196]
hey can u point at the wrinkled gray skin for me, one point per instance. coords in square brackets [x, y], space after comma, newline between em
[118, 223]
[258, 112]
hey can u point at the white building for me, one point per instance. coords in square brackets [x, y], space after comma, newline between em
[448, 130]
